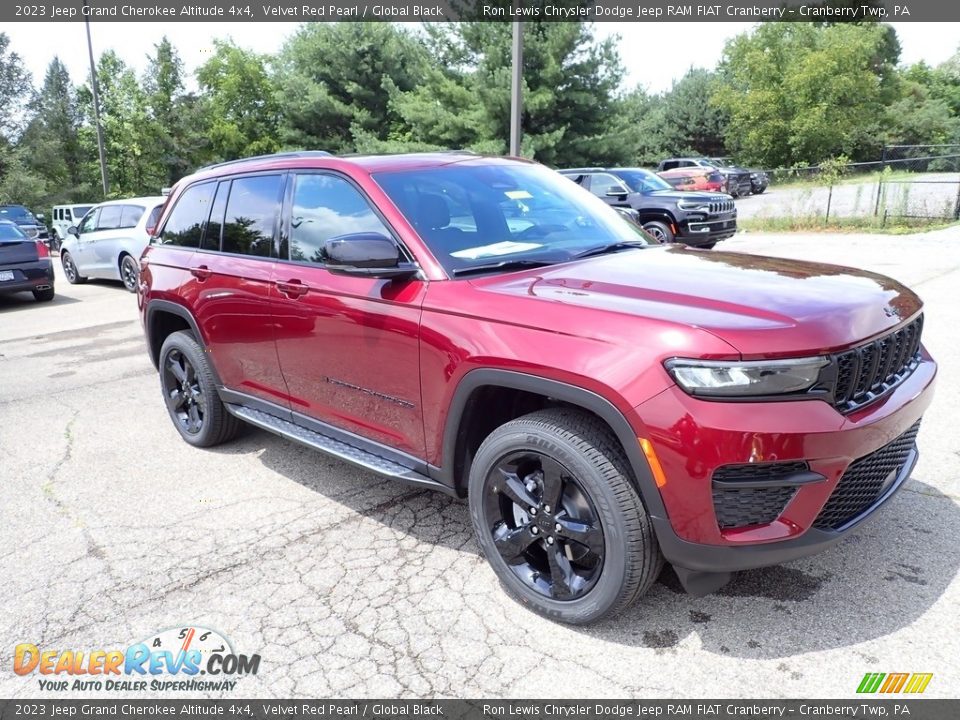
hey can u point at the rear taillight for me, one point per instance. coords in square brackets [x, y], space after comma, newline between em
[42, 251]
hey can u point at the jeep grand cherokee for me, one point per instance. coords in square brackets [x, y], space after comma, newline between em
[484, 327]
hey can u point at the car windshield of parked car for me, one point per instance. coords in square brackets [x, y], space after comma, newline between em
[80, 210]
[717, 162]
[17, 214]
[642, 181]
[486, 215]
[9, 232]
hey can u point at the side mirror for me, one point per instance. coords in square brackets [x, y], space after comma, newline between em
[72, 230]
[40, 216]
[614, 192]
[367, 254]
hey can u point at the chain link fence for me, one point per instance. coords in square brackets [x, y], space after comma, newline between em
[908, 182]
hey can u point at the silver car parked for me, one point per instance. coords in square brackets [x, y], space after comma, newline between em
[109, 240]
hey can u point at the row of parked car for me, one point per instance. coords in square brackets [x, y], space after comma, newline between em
[102, 241]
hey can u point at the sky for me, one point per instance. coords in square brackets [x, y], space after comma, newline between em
[654, 54]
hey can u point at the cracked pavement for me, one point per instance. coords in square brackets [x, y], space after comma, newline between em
[349, 585]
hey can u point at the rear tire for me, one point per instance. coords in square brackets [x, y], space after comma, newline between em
[659, 231]
[70, 269]
[43, 295]
[587, 554]
[129, 273]
[190, 393]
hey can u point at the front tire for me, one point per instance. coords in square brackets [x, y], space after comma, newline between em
[659, 231]
[129, 273]
[558, 518]
[190, 393]
[70, 269]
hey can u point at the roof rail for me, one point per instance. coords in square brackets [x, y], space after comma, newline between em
[271, 156]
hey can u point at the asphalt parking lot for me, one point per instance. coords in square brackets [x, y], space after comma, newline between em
[112, 528]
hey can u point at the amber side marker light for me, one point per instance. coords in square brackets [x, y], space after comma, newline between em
[654, 461]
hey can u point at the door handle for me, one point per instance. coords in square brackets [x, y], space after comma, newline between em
[292, 288]
[201, 272]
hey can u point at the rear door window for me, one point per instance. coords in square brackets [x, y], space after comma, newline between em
[130, 216]
[252, 211]
[110, 217]
[188, 217]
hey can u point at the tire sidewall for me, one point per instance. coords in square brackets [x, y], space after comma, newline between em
[607, 590]
[187, 346]
[661, 227]
[123, 261]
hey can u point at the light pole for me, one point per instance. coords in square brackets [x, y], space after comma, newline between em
[516, 89]
[96, 106]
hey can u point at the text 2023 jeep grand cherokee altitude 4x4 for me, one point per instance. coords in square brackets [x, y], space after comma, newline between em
[485, 327]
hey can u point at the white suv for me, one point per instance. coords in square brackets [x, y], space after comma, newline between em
[108, 242]
[62, 217]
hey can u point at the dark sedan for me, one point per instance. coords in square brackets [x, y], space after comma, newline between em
[25, 264]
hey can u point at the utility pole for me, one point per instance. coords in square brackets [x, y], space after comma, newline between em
[516, 89]
[96, 107]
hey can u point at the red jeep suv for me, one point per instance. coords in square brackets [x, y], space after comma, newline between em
[485, 327]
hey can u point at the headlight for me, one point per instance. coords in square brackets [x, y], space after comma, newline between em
[733, 378]
[693, 205]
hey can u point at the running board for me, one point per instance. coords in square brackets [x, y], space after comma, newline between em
[332, 446]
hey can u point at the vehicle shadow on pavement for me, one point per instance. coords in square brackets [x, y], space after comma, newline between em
[24, 301]
[880, 579]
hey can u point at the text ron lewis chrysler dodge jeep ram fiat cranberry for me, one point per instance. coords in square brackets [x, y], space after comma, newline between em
[485, 327]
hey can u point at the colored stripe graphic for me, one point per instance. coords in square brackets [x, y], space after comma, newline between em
[918, 682]
[870, 682]
[895, 682]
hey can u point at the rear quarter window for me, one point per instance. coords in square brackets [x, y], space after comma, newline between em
[185, 224]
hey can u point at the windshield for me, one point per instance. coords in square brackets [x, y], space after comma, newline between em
[17, 214]
[718, 162]
[473, 216]
[80, 210]
[9, 231]
[643, 181]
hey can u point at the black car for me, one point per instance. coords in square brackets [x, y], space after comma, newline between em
[26, 221]
[25, 264]
[738, 181]
[700, 219]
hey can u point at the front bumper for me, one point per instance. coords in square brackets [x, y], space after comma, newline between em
[710, 230]
[692, 438]
[28, 277]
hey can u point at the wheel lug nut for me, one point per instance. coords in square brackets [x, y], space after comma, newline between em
[558, 527]
[549, 541]
[533, 511]
[535, 530]
[546, 508]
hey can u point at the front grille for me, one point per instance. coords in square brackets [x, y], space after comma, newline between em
[867, 372]
[865, 481]
[740, 507]
[721, 207]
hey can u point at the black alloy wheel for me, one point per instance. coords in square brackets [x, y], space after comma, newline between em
[544, 525]
[659, 231]
[182, 391]
[70, 269]
[129, 273]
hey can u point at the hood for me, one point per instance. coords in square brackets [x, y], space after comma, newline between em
[688, 195]
[762, 306]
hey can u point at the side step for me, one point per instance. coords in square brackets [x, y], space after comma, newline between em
[332, 446]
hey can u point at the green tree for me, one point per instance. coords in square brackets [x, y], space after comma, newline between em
[799, 93]
[51, 141]
[242, 116]
[15, 87]
[335, 81]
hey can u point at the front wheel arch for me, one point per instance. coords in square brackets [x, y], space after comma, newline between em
[454, 474]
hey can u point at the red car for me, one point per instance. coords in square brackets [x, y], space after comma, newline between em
[700, 179]
[484, 327]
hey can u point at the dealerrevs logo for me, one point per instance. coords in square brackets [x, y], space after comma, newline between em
[187, 658]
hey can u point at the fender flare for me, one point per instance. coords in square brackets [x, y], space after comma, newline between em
[166, 306]
[577, 396]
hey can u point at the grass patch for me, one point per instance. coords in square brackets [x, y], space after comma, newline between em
[847, 179]
[815, 223]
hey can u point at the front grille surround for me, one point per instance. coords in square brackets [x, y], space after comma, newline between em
[871, 370]
[721, 207]
[865, 481]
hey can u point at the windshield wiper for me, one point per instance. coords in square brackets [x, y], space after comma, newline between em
[611, 247]
[503, 265]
